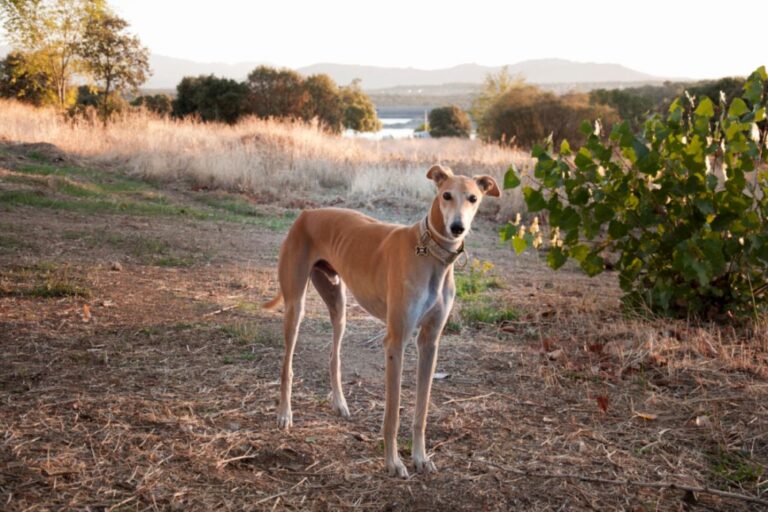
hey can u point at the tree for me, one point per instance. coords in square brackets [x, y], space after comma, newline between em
[525, 115]
[276, 93]
[494, 86]
[20, 79]
[160, 104]
[116, 60]
[359, 110]
[324, 102]
[449, 121]
[211, 98]
[49, 32]
[630, 106]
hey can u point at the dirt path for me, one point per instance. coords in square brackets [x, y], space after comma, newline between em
[139, 373]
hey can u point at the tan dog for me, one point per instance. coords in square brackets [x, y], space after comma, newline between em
[402, 275]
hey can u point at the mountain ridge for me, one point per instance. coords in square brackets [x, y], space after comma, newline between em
[167, 72]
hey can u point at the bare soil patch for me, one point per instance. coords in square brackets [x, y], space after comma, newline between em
[155, 388]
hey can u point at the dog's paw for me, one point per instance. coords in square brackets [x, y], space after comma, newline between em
[424, 465]
[340, 407]
[285, 419]
[397, 468]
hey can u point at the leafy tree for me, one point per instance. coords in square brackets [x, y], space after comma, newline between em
[449, 121]
[276, 93]
[679, 208]
[211, 98]
[22, 80]
[115, 59]
[161, 104]
[49, 32]
[631, 106]
[323, 102]
[525, 114]
[729, 87]
[494, 86]
[359, 110]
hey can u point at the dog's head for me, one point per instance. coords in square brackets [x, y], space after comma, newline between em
[458, 198]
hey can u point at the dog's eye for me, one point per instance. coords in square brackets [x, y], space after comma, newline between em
[472, 198]
[447, 196]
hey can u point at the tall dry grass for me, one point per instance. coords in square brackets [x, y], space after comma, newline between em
[261, 156]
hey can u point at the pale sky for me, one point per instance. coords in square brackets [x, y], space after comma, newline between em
[668, 38]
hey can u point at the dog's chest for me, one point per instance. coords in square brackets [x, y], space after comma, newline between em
[428, 295]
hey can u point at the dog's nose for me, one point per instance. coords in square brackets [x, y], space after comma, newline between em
[457, 229]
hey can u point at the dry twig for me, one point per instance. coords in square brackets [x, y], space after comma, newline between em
[632, 483]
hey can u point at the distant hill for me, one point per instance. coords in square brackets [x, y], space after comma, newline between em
[542, 71]
[168, 71]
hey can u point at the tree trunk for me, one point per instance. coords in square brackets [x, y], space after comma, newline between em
[105, 103]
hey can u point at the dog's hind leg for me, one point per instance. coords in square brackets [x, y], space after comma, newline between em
[293, 283]
[333, 293]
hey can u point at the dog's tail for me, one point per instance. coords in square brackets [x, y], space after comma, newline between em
[274, 302]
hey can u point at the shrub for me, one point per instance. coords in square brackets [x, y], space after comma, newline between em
[161, 104]
[679, 208]
[210, 98]
[449, 121]
[89, 100]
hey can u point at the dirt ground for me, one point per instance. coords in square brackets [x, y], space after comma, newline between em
[137, 372]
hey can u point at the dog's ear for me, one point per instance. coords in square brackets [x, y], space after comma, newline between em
[439, 174]
[487, 185]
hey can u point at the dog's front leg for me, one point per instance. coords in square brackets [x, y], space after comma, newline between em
[428, 339]
[393, 349]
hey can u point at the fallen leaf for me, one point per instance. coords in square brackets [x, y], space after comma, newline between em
[647, 416]
[86, 313]
[555, 354]
[441, 376]
[602, 402]
[548, 344]
[597, 348]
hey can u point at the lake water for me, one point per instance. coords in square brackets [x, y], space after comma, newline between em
[392, 128]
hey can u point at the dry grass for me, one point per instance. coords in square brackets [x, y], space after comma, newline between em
[156, 389]
[264, 157]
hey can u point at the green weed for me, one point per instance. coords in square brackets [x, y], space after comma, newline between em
[477, 314]
[476, 279]
[44, 280]
[735, 467]
[245, 333]
[173, 261]
[13, 243]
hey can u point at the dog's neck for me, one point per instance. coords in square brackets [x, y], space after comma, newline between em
[437, 226]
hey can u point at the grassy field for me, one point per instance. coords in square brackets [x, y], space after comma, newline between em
[137, 371]
[269, 159]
